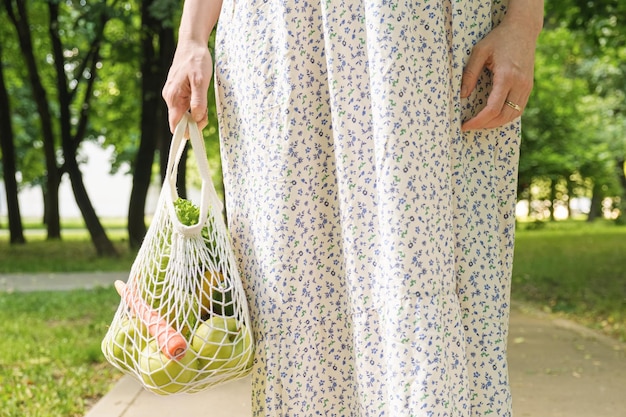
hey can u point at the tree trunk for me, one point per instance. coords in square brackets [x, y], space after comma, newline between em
[8, 164]
[99, 238]
[181, 175]
[595, 210]
[167, 47]
[155, 133]
[141, 183]
[570, 196]
[620, 165]
[553, 183]
[150, 108]
[53, 175]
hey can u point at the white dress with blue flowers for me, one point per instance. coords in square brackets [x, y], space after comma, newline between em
[374, 237]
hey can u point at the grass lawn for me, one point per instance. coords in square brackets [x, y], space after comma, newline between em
[574, 270]
[51, 364]
[74, 253]
[50, 360]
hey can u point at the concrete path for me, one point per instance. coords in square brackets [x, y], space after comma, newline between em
[557, 368]
[58, 281]
[560, 369]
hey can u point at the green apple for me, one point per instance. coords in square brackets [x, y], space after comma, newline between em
[163, 375]
[127, 340]
[243, 352]
[213, 341]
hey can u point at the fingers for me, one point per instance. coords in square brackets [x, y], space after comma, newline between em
[174, 115]
[187, 85]
[497, 112]
[176, 98]
[198, 101]
[508, 87]
[179, 103]
[477, 61]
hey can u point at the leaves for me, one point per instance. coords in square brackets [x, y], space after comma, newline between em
[575, 122]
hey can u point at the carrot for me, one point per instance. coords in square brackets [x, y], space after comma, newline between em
[170, 341]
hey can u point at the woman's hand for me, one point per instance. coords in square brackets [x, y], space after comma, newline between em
[509, 53]
[188, 82]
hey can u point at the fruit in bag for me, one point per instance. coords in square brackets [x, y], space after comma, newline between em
[163, 375]
[130, 337]
[222, 343]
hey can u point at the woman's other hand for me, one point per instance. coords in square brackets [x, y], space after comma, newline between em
[508, 51]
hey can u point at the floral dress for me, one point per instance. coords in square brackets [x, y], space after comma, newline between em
[375, 238]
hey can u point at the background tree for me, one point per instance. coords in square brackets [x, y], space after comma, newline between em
[17, 12]
[75, 36]
[574, 124]
[157, 50]
[600, 27]
[8, 162]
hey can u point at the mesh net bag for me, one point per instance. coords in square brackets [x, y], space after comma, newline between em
[182, 324]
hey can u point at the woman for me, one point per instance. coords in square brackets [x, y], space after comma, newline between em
[370, 157]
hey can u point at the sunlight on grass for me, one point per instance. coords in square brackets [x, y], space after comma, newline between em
[575, 270]
[74, 253]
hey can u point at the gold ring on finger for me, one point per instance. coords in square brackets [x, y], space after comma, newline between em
[512, 105]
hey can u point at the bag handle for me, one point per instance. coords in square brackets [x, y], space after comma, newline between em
[208, 195]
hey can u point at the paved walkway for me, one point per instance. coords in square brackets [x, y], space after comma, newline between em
[58, 281]
[557, 369]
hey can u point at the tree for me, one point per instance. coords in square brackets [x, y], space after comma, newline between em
[18, 15]
[157, 50]
[572, 118]
[8, 162]
[75, 69]
[91, 21]
[600, 28]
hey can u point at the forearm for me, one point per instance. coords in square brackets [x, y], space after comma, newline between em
[526, 13]
[198, 20]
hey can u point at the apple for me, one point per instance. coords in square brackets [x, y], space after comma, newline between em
[163, 375]
[212, 341]
[128, 339]
[243, 352]
[222, 343]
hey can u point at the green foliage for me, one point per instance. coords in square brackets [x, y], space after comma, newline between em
[28, 142]
[166, 11]
[574, 127]
[602, 21]
[117, 92]
[50, 359]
